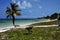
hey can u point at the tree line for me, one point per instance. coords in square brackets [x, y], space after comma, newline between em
[53, 16]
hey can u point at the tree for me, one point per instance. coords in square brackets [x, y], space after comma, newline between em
[54, 16]
[12, 12]
[47, 17]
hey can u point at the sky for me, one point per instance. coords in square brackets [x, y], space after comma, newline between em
[31, 8]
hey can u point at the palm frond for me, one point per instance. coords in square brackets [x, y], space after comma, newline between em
[18, 13]
[8, 16]
[8, 11]
[14, 6]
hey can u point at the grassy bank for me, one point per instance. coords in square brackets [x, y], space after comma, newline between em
[46, 23]
[52, 33]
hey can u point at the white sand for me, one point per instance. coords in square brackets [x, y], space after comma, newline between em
[8, 28]
[46, 26]
[5, 29]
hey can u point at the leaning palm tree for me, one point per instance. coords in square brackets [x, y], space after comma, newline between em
[12, 12]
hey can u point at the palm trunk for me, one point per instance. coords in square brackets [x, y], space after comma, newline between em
[13, 20]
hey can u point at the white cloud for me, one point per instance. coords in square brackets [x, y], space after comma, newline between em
[20, 6]
[24, 4]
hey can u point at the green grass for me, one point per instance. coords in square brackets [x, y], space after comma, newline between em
[52, 33]
[46, 23]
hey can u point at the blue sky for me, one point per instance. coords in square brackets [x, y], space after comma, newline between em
[31, 8]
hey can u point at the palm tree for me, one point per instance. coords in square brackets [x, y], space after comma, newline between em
[12, 12]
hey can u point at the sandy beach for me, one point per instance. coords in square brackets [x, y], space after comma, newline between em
[8, 28]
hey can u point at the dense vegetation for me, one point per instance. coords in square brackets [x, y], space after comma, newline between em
[53, 16]
[52, 33]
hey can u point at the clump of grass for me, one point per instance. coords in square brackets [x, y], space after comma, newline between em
[52, 33]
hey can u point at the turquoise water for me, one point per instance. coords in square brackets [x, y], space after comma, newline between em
[8, 23]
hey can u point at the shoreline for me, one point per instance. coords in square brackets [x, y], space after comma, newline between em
[24, 26]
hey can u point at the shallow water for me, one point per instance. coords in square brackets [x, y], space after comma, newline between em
[8, 23]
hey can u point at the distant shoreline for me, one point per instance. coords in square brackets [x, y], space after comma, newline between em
[21, 19]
